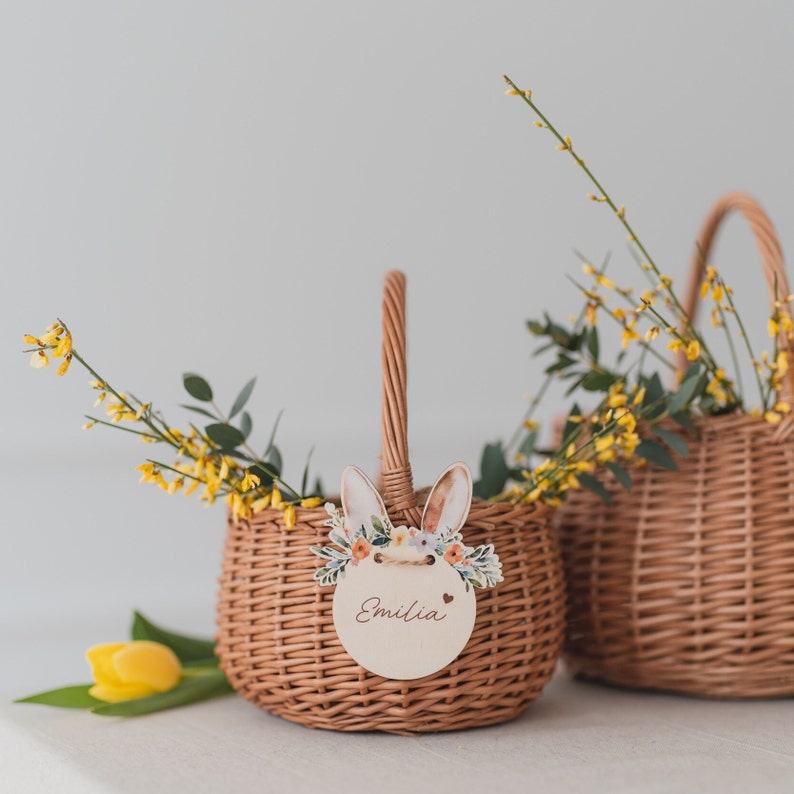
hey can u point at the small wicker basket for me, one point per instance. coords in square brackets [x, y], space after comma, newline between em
[276, 638]
[686, 582]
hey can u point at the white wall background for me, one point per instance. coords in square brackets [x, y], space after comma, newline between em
[220, 187]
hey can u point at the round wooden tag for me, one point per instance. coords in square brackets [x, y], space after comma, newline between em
[400, 617]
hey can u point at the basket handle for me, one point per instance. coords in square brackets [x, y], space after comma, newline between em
[396, 476]
[769, 248]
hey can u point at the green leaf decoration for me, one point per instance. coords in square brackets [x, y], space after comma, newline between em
[274, 460]
[594, 485]
[686, 391]
[493, 471]
[305, 477]
[655, 453]
[197, 387]
[187, 649]
[654, 391]
[684, 419]
[225, 436]
[265, 477]
[593, 347]
[563, 362]
[246, 424]
[621, 475]
[242, 398]
[189, 690]
[598, 381]
[199, 410]
[68, 697]
[673, 440]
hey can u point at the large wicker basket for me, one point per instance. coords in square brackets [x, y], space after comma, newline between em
[277, 642]
[686, 583]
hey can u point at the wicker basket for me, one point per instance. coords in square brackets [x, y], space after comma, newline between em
[277, 641]
[686, 582]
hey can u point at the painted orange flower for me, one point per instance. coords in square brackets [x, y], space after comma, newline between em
[454, 553]
[361, 549]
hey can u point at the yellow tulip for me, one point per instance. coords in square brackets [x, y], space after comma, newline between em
[128, 670]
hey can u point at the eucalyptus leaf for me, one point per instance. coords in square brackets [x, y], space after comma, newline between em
[594, 485]
[242, 398]
[655, 453]
[246, 424]
[305, 477]
[189, 690]
[621, 475]
[199, 410]
[682, 397]
[273, 433]
[598, 381]
[493, 471]
[187, 649]
[673, 440]
[68, 697]
[265, 476]
[197, 387]
[225, 436]
[274, 460]
[592, 343]
[684, 419]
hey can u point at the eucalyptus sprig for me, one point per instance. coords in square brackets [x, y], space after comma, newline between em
[217, 458]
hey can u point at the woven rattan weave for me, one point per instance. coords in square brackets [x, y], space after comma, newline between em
[686, 583]
[277, 642]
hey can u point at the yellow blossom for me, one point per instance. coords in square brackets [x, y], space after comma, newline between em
[639, 396]
[192, 488]
[123, 671]
[772, 327]
[88, 425]
[64, 365]
[590, 312]
[772, 417]
[276, 499]
[675, 345]
[249, 481]
[652, 333]
[605, 282]
[289, 517]
[39, 360]
[530, 424]
[782, 407]
[629, 333]
[260, 504]
[604, 442]
[31, 340]
[717, 293]
[312, 501]
[588, 269]
[63, 346]
[692, 350]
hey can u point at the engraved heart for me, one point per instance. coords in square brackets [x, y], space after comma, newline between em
[448, 598]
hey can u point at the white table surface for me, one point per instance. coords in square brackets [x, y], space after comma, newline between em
[578, 737]
[74, 565]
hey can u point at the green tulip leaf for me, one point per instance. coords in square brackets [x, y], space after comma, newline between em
[242, 398]
[189, 650]
[197, 387]
[189, 690]
[68, 697]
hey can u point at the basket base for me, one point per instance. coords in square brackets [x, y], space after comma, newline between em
[727, 684]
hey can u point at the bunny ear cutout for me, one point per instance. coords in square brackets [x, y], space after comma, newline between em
[450, 499]
[360, 499]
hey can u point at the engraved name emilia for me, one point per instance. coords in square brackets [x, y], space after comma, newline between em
[371, 609]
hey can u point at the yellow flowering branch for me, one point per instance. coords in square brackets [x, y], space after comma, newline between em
[208, 458]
